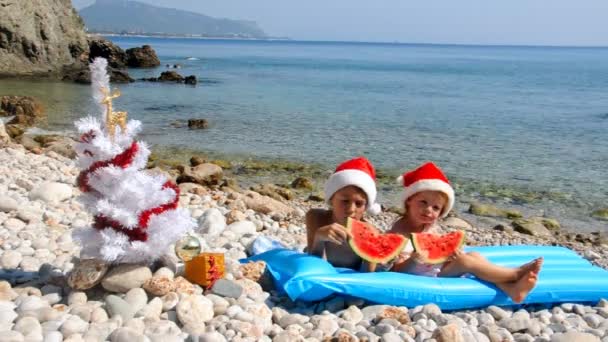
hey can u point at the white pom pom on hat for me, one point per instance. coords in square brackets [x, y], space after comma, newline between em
[358, 172]
[427, 177]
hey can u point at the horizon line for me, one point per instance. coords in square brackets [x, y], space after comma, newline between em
[395, 42]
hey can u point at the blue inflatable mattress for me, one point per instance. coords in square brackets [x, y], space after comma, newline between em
[565, 277]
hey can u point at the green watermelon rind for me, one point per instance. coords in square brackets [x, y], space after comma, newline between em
[363, 255]
[440, 260]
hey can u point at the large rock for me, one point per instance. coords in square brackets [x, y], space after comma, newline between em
[204, 174]
[21, 106]
[263, 204]
[142, 57]
[302, 183]
[273, 191]
[86, 274]
[26, 110]
[83, 75]
[122, 278]
[40, 37]
[100, 47]
[63, 146]
[530, 227]
[170, 76]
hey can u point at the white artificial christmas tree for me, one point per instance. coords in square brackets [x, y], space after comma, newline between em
[136, 214]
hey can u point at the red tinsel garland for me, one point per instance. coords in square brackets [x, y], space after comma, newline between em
[123, 160]
[144, 217]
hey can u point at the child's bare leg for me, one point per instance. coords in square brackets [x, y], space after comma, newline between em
[480, 267]
[519, 289]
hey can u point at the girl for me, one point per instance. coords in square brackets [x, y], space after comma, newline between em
[349, 191]
[427, 197]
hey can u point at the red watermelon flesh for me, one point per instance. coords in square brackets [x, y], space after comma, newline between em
[437, 248]
[372, 245]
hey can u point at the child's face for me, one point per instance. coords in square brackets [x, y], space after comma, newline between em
[348, 202]
[425, 207]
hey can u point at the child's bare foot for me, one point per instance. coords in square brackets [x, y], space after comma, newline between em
[519, 289]
[532, 266]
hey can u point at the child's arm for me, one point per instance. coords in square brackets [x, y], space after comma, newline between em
[318, 232]
[405, 264]
[367, 266]
[314, 246]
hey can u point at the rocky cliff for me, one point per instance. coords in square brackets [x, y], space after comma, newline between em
[40, 37]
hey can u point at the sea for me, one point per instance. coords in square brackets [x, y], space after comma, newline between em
[522, 127]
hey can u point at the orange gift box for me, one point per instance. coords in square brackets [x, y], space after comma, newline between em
[205, 268]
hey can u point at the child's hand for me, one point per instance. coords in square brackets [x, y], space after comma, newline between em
[401, 258]
[455, 256]
[334, 233]
[416, 257]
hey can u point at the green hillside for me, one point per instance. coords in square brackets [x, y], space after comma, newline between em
[120, 16]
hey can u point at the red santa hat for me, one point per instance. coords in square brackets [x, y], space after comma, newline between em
[358, 172]
[427, 177]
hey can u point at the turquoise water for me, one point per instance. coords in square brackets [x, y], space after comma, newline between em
[526, 118]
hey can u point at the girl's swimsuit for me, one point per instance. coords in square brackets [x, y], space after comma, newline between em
[419, 268]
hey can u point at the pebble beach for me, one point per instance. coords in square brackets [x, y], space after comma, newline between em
[39, 208]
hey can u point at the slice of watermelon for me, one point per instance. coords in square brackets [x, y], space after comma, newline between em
[437, 248]
[372, 245]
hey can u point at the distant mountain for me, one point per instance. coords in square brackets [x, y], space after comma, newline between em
[123, 16]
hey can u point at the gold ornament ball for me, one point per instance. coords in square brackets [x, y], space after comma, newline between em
[187, 248]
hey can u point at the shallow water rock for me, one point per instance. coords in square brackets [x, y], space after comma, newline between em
[530, 227]
[492, 211]
[142, 57]
[601, 214]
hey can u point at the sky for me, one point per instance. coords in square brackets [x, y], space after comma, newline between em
[506, 22]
